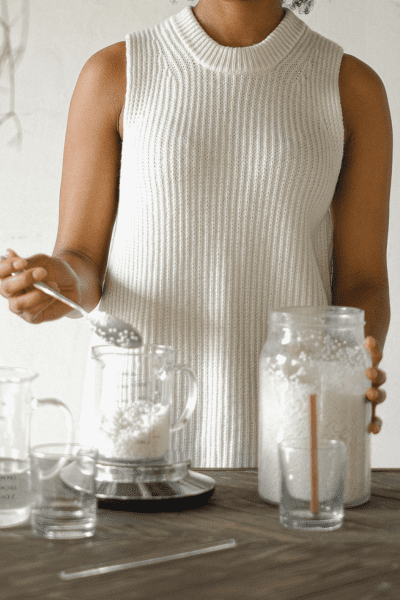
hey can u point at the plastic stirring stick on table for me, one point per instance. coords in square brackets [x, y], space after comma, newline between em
[71, 574]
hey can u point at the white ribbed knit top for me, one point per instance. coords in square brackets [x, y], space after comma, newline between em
[230, 160]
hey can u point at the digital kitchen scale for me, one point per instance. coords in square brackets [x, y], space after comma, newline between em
[165, 478]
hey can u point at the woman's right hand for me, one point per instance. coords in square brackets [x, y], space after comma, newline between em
[31, 304]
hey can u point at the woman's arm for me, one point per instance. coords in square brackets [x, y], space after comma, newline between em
[90, 177]
[360, 206]
[88, 197]
[360, 212]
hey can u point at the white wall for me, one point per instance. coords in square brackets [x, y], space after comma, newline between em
[61, 36]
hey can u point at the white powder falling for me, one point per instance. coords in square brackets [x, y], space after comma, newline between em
[343, 413]
[139, 430]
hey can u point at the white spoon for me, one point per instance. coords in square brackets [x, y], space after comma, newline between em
[106, 326]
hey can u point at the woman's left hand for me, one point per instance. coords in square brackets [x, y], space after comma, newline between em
[377, 377]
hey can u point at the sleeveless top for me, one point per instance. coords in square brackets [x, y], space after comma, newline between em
[230, 160]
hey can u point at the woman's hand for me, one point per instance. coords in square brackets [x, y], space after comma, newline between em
[31, 304]
[377, 377]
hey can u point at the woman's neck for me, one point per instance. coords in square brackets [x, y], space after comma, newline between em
[238, 23]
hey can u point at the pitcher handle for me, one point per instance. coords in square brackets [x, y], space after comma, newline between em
[192, 397]
[71, 433]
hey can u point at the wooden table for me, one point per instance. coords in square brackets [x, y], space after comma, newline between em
[359, 561]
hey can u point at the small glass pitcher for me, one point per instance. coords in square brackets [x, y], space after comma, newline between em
[16, 406]
[133, 400]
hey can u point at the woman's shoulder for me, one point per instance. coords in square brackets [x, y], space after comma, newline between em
[359, 83]
[357, 72]
[109, 63]
[106, 72]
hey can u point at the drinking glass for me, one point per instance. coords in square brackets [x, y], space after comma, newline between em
[58, 510]
[295, 509]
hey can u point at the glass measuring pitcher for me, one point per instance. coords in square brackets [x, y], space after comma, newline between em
[315, 350]
[133, 398]
[16, 405]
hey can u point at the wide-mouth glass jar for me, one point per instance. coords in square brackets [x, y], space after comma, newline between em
[315, 350]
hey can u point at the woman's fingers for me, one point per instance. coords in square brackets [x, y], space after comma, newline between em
[376, 396]
[16, 284]
[34, 300]
[35, 318]
[17, 279]
[373, 347]
[18, 264]
[33, 314]
[6, 266]
[375, 426]
[11, 253]
[12, 264]
[377, 376]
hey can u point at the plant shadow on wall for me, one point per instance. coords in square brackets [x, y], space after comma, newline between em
[13, 24]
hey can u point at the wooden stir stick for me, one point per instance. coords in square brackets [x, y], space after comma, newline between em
[314, 455]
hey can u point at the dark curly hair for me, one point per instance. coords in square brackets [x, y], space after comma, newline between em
[301, 6]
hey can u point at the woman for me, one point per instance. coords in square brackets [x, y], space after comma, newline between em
[228, 149]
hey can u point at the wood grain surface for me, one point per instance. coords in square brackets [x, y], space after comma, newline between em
[359, 561]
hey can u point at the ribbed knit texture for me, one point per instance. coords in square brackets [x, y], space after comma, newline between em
[230, 160]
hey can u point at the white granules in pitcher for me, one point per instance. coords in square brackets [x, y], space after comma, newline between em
[343, 414]
[137, 430]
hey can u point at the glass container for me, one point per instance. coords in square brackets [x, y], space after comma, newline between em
[315, 350]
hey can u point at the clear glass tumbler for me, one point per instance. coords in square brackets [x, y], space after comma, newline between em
[296, 510]
[57, 509]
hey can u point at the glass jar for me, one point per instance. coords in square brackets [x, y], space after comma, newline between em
[315, 350]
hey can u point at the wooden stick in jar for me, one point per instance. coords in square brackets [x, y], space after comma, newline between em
[314, 455]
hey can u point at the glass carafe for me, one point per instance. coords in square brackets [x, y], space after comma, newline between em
[133, 402]
[16, 406]
[315, 350]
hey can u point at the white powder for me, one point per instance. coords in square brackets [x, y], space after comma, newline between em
[343, 413]
[138, 430]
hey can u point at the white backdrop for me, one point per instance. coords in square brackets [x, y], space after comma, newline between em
[48, 45]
